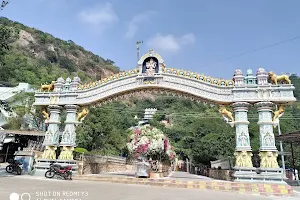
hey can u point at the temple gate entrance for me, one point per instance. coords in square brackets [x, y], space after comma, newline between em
[153, 75]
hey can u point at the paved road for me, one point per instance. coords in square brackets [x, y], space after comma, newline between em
[48, 189]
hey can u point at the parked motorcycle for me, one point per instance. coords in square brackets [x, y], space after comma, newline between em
[60, 171]
[14, 166]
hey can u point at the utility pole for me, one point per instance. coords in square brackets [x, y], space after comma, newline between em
[281, 146]
[138, 49]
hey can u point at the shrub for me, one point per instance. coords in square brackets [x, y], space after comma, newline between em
[67, 64]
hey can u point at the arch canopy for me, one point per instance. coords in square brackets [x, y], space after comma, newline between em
[153, 75]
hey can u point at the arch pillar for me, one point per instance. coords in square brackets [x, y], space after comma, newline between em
[243, 151]
[68, 140]
[51, 140]
[268, 151]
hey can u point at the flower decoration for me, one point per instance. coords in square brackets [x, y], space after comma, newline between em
[149, 141]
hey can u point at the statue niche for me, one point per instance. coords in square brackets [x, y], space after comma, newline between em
[150, 66]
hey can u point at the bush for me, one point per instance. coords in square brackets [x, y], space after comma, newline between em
[67, 64]
[81, 150]
[90, 64]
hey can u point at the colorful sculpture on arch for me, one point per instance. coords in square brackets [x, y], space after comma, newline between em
[276, 79]
[226, 114]
[279, 112]
[45, 114]
[47, 87]
[81, 115]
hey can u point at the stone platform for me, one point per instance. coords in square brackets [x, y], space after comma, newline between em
[260, 175]
[42, 165]
[204, 184]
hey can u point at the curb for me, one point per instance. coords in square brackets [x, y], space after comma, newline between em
[244, 188]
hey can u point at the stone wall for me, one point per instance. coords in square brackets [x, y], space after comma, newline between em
[221, 174]
[96, 168]
[95, 164]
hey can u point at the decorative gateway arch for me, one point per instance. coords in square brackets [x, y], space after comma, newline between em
[153, 75]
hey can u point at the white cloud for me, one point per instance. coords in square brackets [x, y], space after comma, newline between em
[188, 39]
[170, 43]
[101, 16]
[136, 21]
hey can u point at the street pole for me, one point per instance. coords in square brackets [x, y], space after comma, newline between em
[138, 49]
[293, 161]
[281, 146]
[6, 152]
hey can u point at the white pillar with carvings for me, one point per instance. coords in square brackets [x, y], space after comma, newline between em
[268, 151]
[243, 152]
[68, 141]
[52, 134]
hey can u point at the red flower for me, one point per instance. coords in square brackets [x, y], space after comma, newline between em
[137, 132]
[166, 143]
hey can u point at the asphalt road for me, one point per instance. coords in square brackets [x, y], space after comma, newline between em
[46, 189]
[40, 188]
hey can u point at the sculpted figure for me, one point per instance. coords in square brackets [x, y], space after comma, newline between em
[49, 152]
[226, 114]
[150, 67]
[63, 154]
[282, 78]
[268, 159]
[273, 160]
[243, 159]
[45, 114]
[80, 87]
[278, 113]
[82, 114]
[48, 88]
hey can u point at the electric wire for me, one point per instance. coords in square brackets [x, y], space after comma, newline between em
[253, 50]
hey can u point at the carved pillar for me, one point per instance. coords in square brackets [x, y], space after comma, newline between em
[52, 134]
[68, 141]
[243, 152]
[268, 151]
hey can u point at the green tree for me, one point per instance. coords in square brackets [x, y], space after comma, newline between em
[67, 64]
[5, 35]
[104, 129]
[24, 109]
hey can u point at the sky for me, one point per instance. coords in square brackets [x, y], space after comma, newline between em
[196, 35]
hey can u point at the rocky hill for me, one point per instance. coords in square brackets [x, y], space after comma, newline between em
[37, 57]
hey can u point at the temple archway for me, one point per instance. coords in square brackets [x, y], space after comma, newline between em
[153, 75]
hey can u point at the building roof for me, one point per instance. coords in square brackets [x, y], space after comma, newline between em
[20, 132]
[293, 137]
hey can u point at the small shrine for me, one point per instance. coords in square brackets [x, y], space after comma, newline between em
[250, 79]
